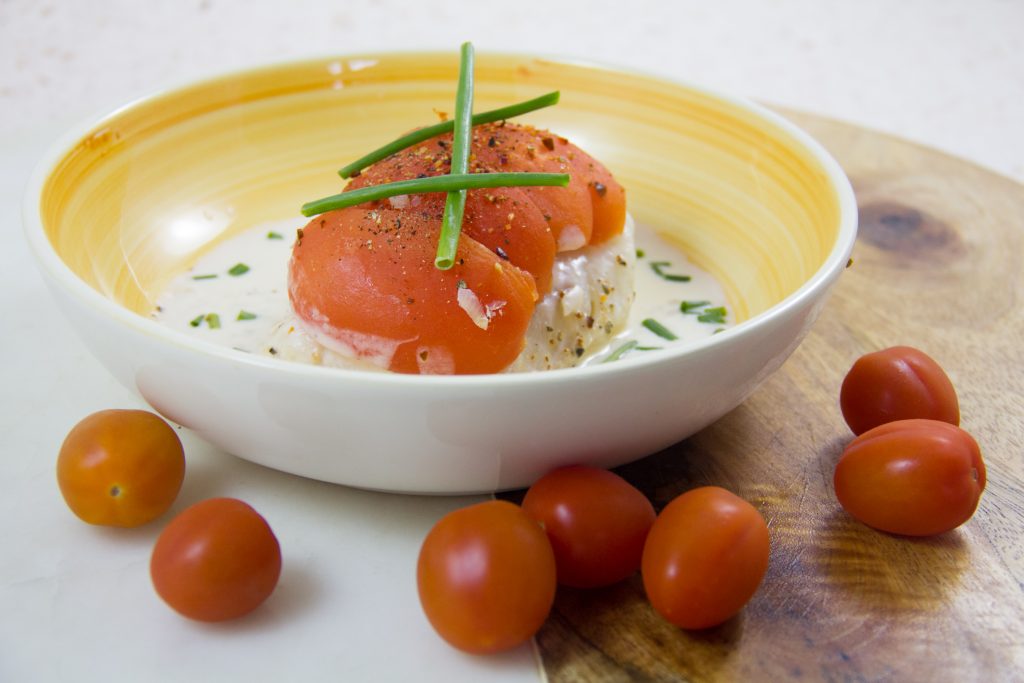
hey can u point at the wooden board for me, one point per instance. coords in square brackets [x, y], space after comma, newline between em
[938, 265]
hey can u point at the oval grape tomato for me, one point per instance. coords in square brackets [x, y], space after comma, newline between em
[911, 477]
[597, 523]
[897, 383]
[705, 557]
[486, 577]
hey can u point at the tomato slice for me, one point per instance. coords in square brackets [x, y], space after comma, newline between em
[366, 281]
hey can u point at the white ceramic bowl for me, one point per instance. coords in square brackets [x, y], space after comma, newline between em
[748, 196]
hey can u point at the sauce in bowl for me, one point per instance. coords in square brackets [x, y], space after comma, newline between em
[237, 295]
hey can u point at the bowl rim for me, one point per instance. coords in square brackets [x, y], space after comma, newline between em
[59, 272]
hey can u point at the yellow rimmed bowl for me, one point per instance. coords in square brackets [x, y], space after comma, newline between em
[126, 202]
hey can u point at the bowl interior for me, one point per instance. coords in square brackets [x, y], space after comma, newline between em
[149, 189]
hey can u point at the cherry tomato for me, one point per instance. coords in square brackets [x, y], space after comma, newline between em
[486, 577]
[705, 557]
[898, 383]
[912, 477]
[217, 560]
[120, 468]
[596, 521]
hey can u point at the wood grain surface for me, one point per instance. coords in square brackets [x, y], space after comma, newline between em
[937, 265]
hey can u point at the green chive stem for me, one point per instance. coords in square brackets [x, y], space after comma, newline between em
[462, 140]
[659, 266]
[692, 306]
[440, 183]
[421, 134]
[659, 329]
[621, 351]
[712, 315]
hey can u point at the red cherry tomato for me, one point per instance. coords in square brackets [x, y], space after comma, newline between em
[912, 477]
[899, 383]
[217, 560]
[705, 557]
[597, 523]
[486, 577]
[120, 468]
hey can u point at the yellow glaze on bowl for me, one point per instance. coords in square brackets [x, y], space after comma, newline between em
[156, 184]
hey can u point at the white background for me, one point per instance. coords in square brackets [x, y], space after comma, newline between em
[75, 601]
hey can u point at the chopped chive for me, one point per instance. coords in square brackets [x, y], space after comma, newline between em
[441, 183]
[640, 253]
[649, 348]
[197, 321]
[621, 351]
[712, 315]
[428, 132]
[245, 315]
[659, 266]
[659, 329]
[238, 269]
[213, 320]
[462, 140]
[274, 235]
[205, 276]
[692, 306]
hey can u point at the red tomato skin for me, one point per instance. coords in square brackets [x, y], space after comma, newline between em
[597, 523]
[486, 577]
[121, 468]
[898, 383]
[705, 557]
[911, 477]
[217, 560]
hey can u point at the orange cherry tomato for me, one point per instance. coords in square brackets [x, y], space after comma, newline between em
[120, 468]
[486, 577]
[912, 477]
[597, 523]
[217, 560]
[899, 383]
[705, 557]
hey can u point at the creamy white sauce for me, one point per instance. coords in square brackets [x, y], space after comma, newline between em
[250, 311]
[660, 299]
[262, 291]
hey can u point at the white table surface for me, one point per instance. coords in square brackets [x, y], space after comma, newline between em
[75, 601]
